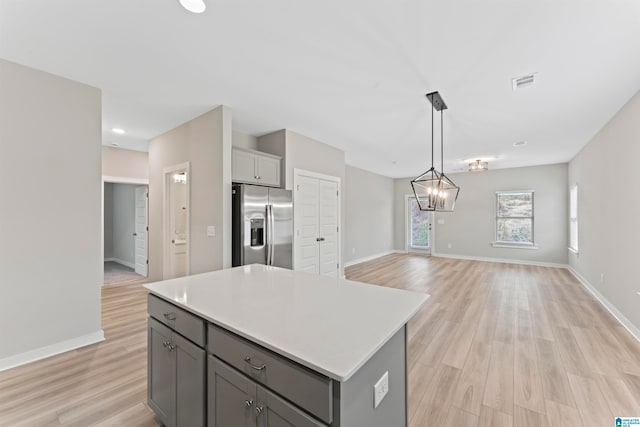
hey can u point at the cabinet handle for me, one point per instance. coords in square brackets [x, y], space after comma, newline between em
[259, 410]
[172, 347]
[256, 367]
[320, 239]
[165, 343]
[248, 403]
[169, 316]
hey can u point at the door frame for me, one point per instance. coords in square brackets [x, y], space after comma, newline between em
[115, 180]
[166, 223]
[407, 232]
[297, 173]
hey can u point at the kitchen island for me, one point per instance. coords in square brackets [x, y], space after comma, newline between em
[264, 346]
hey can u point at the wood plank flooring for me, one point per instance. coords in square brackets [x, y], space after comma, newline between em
[509, 345]
[495, 345]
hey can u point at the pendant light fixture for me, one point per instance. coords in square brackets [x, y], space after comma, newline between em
[435, 191]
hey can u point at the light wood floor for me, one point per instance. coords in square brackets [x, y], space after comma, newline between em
[495, 345]
[509, 345]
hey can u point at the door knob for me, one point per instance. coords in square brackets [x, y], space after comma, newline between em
[135, 234]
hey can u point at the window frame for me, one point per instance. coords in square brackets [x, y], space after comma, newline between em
[573, 190]
[503, 243]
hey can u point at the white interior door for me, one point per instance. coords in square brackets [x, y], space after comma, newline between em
[419, 225]
[317, 221]
[141, 236]
[306, 211]
[328, 216]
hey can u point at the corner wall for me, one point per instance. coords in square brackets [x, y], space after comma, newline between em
[50, 223]
[121, 163]
[470, 229]
[205, 142]
[607, 174]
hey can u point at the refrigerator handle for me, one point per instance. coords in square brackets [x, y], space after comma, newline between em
[269, 234]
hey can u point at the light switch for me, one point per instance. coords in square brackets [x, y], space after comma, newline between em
[211, 230]
[440, 221]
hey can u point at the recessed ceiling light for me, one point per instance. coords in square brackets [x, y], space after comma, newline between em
[118, 131]
[519, 143]
[195, 6]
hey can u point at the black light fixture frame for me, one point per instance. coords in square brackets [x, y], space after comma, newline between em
[432, 188]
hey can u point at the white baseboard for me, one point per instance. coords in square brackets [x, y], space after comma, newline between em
[633, 330]
[369, 258]
[502, 260]
[122, 262]
[50, 350]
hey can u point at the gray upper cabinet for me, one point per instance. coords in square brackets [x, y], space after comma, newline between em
[176, 389]
[254, 167]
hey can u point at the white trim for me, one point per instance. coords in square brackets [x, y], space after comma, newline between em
[502, 260]
[370, 257]
[166, 232]
[51, 350]
[514, 245]
[297, 173]
[633, 330]
[122, 262]
[121, 180]
[573, 251]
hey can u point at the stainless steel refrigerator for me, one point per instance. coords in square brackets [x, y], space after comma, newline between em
[262, 225]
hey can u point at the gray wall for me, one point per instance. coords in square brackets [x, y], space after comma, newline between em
[607, 174]
[50, 221]
[205, 142]
[470, 229]
[242, 140]
[121, 163]
[369, 214]
[108, 220]
[119, 222]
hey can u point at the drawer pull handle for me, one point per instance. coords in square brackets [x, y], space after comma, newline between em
[165, 343]
[255, 367]
[248, 403]
[170, 316]
[259, 410]
[172, 347]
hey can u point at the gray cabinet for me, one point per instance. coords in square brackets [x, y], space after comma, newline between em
[176, 388]
[254, 167]
[235, 400]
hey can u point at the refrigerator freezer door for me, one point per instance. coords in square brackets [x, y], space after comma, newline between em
[282, 227]
[254, 229]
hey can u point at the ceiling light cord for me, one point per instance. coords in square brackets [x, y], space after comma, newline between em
[442, 141]
[432, 126]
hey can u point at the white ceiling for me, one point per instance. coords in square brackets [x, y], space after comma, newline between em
[352, 74]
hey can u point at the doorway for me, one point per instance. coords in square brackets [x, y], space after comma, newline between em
[419, 227]
[176, 220]
[125, 232]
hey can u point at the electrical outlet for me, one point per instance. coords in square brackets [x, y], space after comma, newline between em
[381, 389]
[441, 222]
[211, 230]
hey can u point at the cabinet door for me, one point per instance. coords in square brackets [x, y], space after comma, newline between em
[273, 411]
[268, 171]
[243, 167]
[231, 396]
[161, 375]
[190, 382]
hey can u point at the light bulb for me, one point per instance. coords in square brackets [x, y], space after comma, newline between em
[429, 190]
[195, 6]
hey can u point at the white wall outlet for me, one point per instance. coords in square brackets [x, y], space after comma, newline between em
[211, 230]
[449, 245]
[381, 389]
[440, 221]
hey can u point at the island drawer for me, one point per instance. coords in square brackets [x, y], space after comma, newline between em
[181, 321]
[309, 390]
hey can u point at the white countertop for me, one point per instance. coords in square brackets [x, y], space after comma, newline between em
[332, 326]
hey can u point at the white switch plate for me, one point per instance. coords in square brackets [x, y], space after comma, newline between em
[381, 389]
[211, 230]
[440, 221]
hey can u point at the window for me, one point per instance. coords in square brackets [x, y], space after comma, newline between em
[418, 226]
[514, 217]
[573, 218]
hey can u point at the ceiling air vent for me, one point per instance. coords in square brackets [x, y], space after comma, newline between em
[524, 81]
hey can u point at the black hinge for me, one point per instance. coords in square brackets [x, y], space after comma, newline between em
[337, 193]
[147, 228]
[147, 262]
